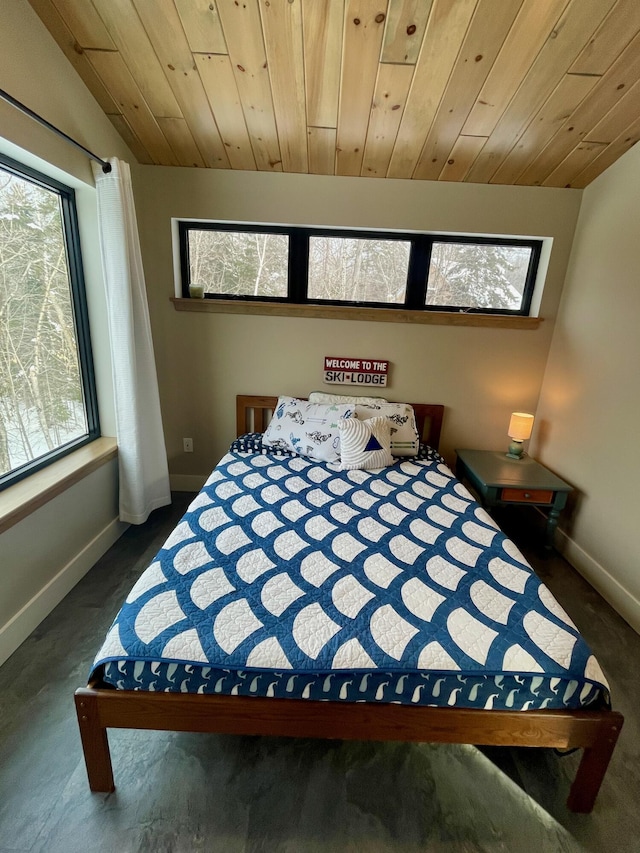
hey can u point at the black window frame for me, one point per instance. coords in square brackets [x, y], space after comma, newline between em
[80, 313]
[417, 273]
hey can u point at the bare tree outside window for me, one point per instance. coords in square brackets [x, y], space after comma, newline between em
[235, 263]
[357, 270]
[41, 397]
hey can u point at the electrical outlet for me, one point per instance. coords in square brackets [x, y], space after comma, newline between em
[187, 445]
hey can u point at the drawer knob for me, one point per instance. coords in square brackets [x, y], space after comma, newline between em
[527, 494]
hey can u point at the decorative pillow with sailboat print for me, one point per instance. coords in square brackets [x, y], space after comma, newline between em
[308, 429]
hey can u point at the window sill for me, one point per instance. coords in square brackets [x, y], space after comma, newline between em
[339, 312]
[28, 495]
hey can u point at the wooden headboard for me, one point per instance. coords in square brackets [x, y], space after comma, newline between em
[254, 413]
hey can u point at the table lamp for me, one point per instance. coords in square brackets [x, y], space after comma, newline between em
[520, 427]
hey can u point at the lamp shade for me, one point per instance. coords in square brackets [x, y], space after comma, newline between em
[520, 426]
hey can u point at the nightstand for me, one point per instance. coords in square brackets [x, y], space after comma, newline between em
[500, 481]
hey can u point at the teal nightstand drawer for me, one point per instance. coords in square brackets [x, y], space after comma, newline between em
[533, 496]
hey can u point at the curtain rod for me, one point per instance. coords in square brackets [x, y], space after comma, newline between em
[106, 167]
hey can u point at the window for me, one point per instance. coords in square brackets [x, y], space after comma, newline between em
[239, 263]
[423, 272]
[482, 276]
[47, 391]
[349, 269]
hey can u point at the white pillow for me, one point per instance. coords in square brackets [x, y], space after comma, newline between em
[321, 397]
[309, 429]
[404, 433]
[364, 444]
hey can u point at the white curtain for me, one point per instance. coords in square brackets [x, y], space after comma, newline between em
[144, 475]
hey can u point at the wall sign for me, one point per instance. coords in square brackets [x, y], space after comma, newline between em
[355, 371]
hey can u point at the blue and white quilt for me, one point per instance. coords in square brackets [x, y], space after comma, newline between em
[288, 577]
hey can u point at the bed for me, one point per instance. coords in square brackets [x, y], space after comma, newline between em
[357, 604]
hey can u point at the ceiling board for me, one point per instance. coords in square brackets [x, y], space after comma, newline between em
[124, 129]
[528, 92]
[282, 27]
[487, 31]
[610, 39]
[322, 26]
[392, 89]
[130, 37]
[615, 121]
[202, 26]
[568, 94]
[68, 43]
[362, 42]
[445, 31]
[461, 157]
[522, 44]
[111, 68]
[609, 89]
[85, 23]
[322, 150]
[404, 30]
[243, 33]
[220, 85]
[575, 162]
[179, 137]
[608, 157]
[576, 25]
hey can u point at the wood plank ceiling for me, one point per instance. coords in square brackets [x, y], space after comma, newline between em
[528, 92]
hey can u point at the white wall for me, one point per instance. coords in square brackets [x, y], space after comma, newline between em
[44, 555]
[590, 404]
[204, 360]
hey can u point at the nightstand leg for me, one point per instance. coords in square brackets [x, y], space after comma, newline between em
[552, 523]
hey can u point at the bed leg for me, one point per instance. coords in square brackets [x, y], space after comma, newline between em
[94, 744]
[593, 766]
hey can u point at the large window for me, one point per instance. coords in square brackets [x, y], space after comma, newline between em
[47, 390]
[422, 272]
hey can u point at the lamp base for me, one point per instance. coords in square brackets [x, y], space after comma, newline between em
[516, 449]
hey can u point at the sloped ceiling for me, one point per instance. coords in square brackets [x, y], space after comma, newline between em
[528, 92]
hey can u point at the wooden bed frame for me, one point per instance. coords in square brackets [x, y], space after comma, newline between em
[100, 707]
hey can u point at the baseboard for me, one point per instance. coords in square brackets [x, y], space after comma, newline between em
[26, 620]
[187, 482]
[626, 604]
